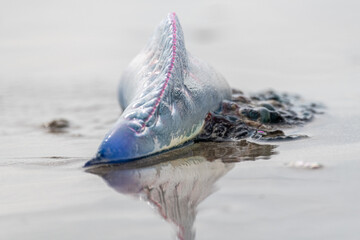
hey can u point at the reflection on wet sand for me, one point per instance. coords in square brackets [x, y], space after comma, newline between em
[176, 182]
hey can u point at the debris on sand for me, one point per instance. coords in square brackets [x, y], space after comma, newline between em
[57, 125]
[304, 165]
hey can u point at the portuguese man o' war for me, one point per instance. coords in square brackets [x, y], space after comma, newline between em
[170, 98]
[166, 94]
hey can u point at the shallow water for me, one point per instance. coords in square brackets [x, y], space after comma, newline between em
[63, 61]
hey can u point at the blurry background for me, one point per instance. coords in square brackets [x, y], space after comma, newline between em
[63, 59]
[253, 43]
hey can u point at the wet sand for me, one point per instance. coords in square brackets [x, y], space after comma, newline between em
[64, 60]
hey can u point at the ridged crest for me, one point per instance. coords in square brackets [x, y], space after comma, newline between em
[163, 65]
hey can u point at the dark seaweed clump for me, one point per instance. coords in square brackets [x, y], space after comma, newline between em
[259, 116]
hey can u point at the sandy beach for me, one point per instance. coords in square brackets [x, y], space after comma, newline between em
[64, 60]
